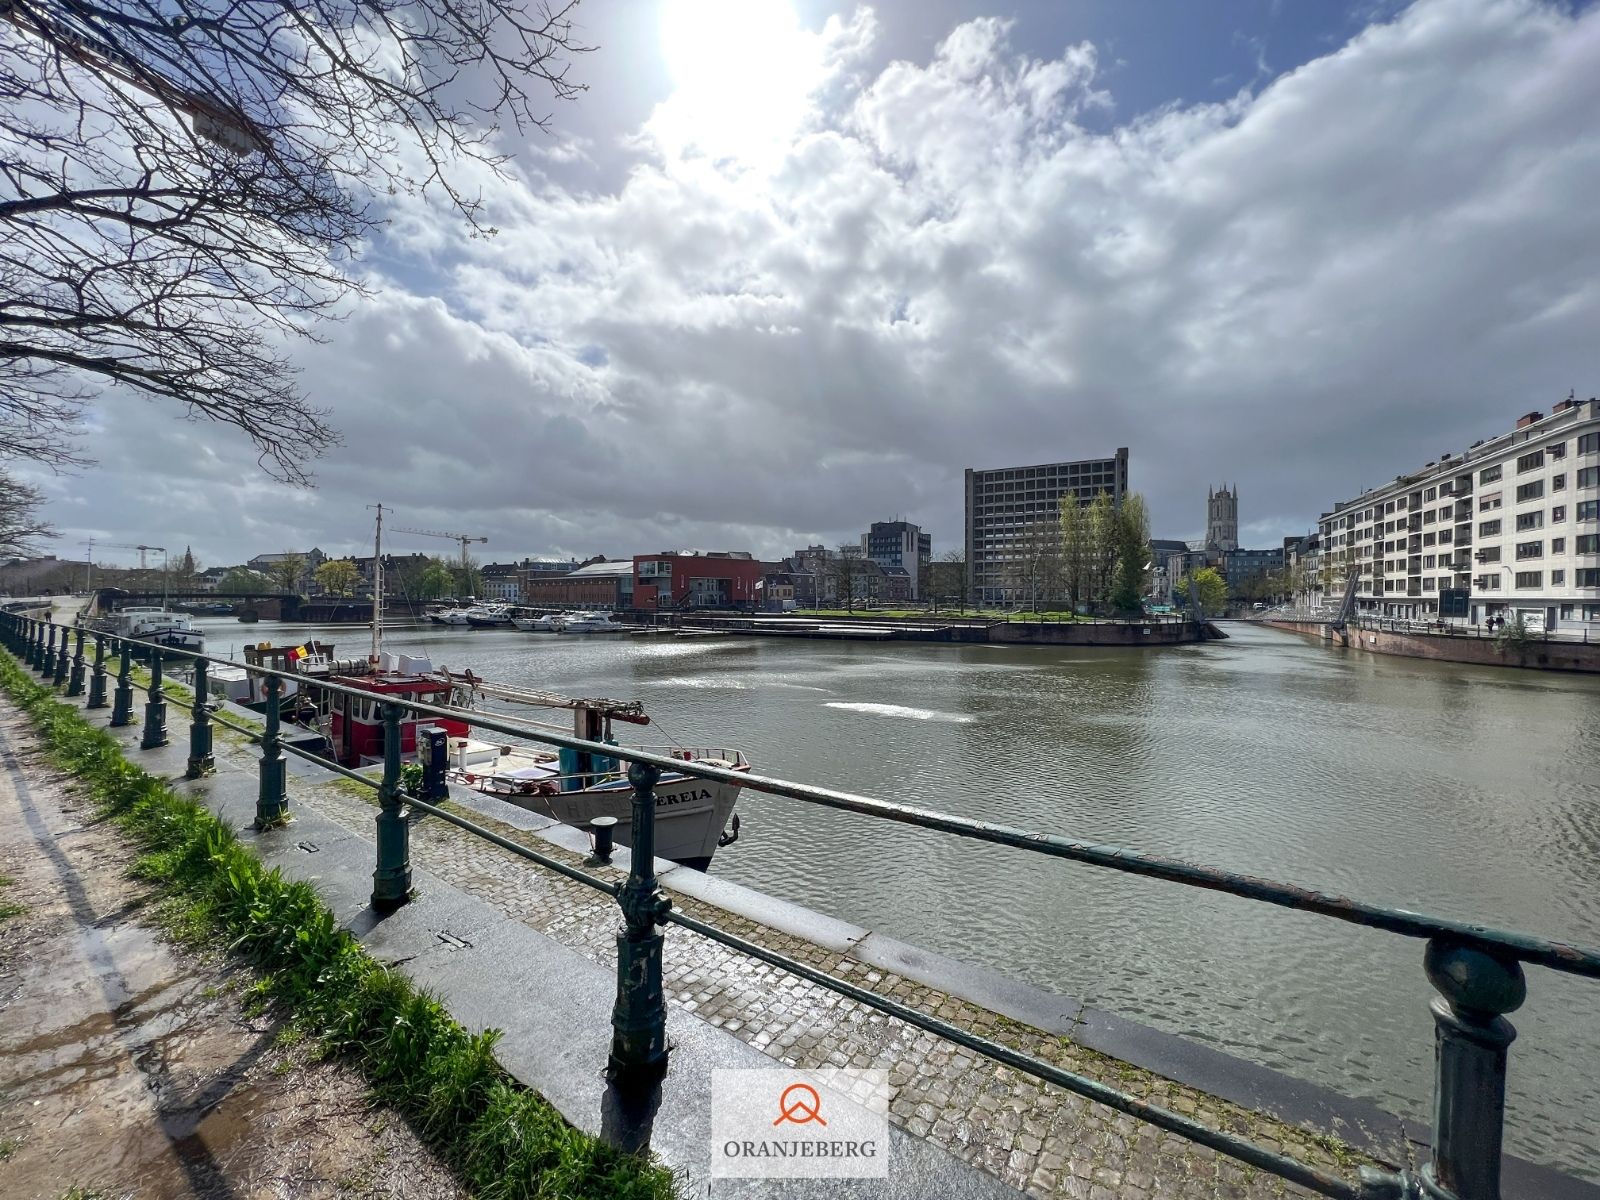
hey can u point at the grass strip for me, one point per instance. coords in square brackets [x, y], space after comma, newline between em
[503, 1140]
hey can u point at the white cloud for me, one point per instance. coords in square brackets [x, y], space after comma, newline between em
[1390, 251]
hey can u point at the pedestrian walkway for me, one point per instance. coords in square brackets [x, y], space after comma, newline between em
[1032, 1135]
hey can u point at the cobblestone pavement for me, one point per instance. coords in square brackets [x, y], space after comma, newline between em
[1034, 1136]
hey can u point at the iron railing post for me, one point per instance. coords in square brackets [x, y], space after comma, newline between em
[47, 664]
[122, 701]
[1471, 1037]
[35, 643]
[75, 680]
[391, 879]
[201, 761]
[97, 675]
[155, 706]
[639, 1046]
[272, 797]
[58, 677]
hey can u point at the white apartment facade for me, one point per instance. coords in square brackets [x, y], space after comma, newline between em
[1511, 526]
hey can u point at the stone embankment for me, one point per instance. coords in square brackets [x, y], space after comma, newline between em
[934, 628]
[1537, 653]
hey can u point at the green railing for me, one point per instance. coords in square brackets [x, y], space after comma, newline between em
[1476, 970]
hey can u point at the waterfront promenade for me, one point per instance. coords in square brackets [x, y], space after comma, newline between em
[954, 1103]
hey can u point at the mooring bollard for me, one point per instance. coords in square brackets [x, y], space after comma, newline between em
[272, 797]
[391, 880]
[47, 666]
[155, 706]
[97, 675]
[201, 760]
[639, 1019]
[75, 681]
[1471, 1037]
[122, 698]
[604, 832]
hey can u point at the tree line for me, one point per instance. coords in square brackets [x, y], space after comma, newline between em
[1094, 557]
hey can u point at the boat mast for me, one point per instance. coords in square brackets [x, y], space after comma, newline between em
[377, 589]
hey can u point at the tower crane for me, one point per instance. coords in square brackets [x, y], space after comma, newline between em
[88, 556]
[465, 539]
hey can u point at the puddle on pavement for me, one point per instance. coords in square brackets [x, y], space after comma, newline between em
[120, 1068]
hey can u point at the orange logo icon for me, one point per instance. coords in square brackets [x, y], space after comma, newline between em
[799, 1105]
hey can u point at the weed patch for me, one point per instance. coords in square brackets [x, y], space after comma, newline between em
[502, 1139]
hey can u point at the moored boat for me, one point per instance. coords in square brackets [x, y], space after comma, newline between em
[488, 615]
[590, 623]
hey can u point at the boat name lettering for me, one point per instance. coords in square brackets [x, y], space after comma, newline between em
[687, 797]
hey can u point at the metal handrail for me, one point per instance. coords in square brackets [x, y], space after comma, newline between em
[1476, 968]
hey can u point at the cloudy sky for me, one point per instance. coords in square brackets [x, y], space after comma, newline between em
[788, 268]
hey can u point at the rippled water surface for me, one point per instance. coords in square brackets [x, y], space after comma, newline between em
[1467, 792]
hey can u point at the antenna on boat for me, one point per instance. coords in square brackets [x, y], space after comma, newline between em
[377, 589]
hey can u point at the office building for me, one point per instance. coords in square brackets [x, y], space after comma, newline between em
[900, 544]
[1010, 508]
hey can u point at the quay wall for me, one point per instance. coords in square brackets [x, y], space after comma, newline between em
[1538, 655]
[933, 629]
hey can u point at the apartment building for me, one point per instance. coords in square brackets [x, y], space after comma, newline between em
[1009, 508]
[1511, 526]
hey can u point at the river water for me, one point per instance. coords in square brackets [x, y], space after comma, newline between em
[1466, 792]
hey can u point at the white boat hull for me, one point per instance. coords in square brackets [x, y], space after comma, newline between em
[690, 814]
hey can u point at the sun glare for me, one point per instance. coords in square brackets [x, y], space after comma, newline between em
[742, 71]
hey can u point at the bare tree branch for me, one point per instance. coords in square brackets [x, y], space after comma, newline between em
[185, 183]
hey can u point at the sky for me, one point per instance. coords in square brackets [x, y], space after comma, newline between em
[785, 269]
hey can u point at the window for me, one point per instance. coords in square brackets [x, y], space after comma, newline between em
[1558, 545]
[1558, 513]
[1488, 474]
[1488, 528]
[1589, 577]
[1529, 550]
[1530, 579]
[1428, 539]
[1589, 477]
[1428, 561]
[1558, 483]
[1589, 510]
[1429, 584]
[1559, 579]
[1530, 491]
[1589, 543]
[1444, 536]
[1488, 583]
[1489, 554]
[1488, 501]
[1530, 462]
[1530, 520]
[1559, 450]
[1589, 443]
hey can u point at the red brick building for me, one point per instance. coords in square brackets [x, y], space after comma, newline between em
[685, 579]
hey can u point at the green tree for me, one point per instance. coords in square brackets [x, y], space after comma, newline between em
[1133, 554]
[1211, 586]
[436, 579]
[338, 577]
[240, 580]
[1076, 551]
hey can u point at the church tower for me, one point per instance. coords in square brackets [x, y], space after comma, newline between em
[1222, 518]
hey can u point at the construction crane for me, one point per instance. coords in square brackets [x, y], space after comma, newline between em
[88, 556]
[465, 539]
